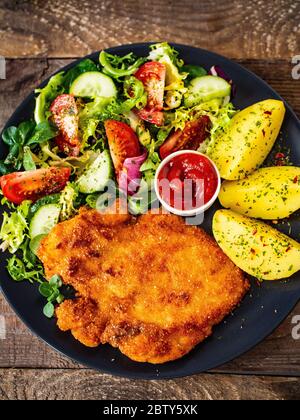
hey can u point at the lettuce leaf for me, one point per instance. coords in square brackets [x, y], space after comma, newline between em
[175, 88]
[67, 200]
[119, 67]
[47, 95]
[135, 94]
[162, 51]
[90, 116]
[28, 161]
[218, 114]
[14, 227]
[25, 265]
[221, 119]
[101, 109]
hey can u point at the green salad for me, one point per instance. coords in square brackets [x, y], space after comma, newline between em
[101, 129]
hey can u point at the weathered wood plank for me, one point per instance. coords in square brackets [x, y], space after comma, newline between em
[252, 29]
[54, 384]
[22, 76]
[278, 355]
[20, 348]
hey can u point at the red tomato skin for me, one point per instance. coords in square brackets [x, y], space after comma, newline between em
[65, 116]
[123, 142]
[153, 117]
[32, 185]
[153, 75]
[190, 138]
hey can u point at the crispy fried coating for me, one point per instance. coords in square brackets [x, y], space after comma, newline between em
[152, 286]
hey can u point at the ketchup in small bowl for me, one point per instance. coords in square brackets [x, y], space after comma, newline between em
[187, 183]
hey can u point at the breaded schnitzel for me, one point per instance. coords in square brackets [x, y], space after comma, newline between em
[152, 286]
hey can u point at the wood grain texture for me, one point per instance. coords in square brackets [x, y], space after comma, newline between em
[22, 76]
[57, 384]
[279, 354]
[245, 29]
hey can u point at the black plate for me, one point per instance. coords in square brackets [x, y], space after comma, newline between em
[263, 309]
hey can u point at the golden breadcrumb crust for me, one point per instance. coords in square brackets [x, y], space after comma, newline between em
[151, 286]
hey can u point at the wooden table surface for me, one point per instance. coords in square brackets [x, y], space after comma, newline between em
[38, 37]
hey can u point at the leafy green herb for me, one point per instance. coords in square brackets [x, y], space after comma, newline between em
[10, 136]
[158, 52]
[29, 258]
[14, 158]
[25, 131]
[48, 310]
[15, 138]
[28, 162]
[4, 170]
[67, 200]
[43, 132]
[18, 139]
[26, 266]
[19, 270]
[193, 72]
[16, 268]
[220, 120]
[118, 67]
[6, 202]
[51, 291]
[55, 281]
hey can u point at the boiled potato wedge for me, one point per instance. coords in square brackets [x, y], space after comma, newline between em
[247, 140]
[255, 247]
[268, 193]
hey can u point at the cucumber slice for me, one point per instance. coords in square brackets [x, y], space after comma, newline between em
[39, 110]
[44, 220]
[34, 244]
[92, 84]
[97, 175]
[206, 88]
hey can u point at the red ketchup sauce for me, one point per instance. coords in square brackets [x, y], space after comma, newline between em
[201, 185]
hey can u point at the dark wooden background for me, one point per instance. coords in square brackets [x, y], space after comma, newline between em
[38, 37]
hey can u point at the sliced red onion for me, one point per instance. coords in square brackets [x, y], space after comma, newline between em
[217, 71]
[130, 176]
